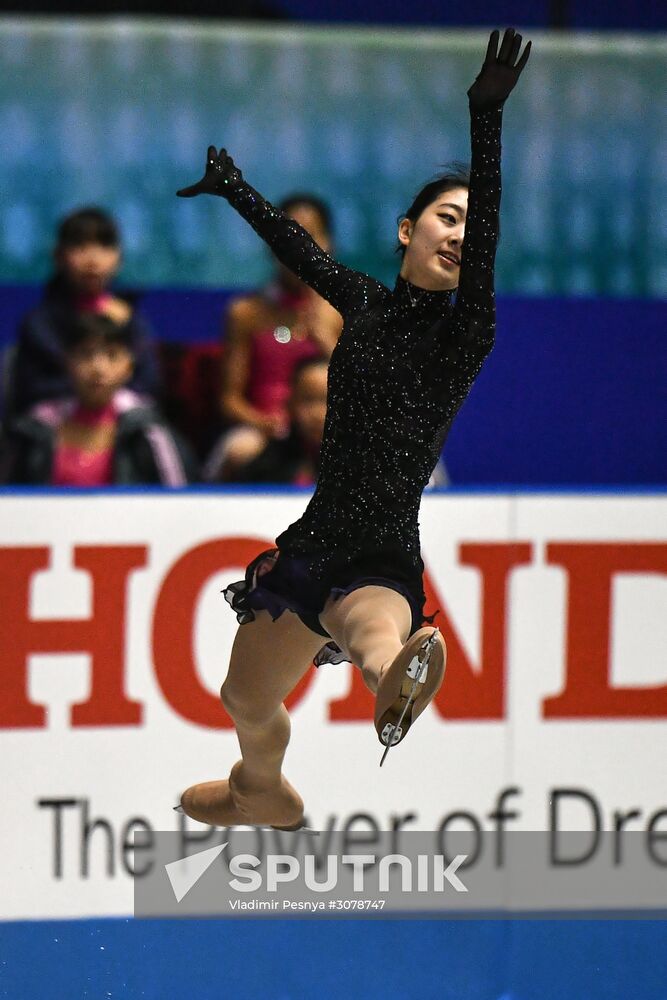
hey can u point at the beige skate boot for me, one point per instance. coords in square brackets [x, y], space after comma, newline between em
[230, 803]
[408, 685]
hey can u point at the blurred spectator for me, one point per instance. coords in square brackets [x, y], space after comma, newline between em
[105, 434]
[295, 458]
[267, 334]
[87, 257]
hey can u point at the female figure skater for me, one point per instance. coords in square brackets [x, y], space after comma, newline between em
[350, 568]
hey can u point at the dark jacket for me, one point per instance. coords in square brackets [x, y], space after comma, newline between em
[146, 450]
[38, 369]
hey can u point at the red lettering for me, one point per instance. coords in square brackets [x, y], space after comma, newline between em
[102, 635]
[591, 568]
[173, 630]
[466, 693]
[358, 704]
[469, 693]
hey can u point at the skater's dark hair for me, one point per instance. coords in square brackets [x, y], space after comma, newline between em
[292, 201]
[455, 175]
[94, 326]
[88, 225]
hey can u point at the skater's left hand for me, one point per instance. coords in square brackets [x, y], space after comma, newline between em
[221, 173]
[500, 72]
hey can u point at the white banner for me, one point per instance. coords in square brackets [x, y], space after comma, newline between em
[115, 639]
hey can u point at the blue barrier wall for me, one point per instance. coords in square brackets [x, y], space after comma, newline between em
[417, 960]
[573, 392]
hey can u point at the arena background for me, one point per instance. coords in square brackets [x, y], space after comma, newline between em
[547, 558]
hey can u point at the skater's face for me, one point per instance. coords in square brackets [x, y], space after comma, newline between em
[89, 268]
[98, 369]
[308, 403]
[433, 242]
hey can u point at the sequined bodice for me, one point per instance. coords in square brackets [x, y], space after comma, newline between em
[403, 366]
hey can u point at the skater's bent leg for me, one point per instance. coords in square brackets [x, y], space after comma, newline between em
[268, 659]
[371, 624]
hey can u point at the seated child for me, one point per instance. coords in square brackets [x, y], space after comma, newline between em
[101, 434]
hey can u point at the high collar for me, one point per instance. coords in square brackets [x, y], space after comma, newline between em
[411, 294]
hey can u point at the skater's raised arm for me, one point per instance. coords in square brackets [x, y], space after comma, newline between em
[474, 312]
[345, 289]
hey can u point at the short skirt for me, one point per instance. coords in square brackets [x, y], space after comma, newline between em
[276, 581]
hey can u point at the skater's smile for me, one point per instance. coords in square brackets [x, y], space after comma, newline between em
[433, 242]
[449, 258]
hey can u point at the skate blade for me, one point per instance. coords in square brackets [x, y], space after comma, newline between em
[285, 829]
[393, 734]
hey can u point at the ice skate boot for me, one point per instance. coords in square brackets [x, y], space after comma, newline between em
[280, 806]
[211, 802]
[408, 685]
[230, 803]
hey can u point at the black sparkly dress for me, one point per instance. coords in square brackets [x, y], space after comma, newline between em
[404, 364]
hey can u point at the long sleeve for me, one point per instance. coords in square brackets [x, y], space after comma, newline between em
[348, 291]
[474, 315]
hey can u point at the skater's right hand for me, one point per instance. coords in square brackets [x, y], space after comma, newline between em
[220, 174]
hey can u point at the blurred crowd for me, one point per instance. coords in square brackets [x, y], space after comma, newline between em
[89, 394]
